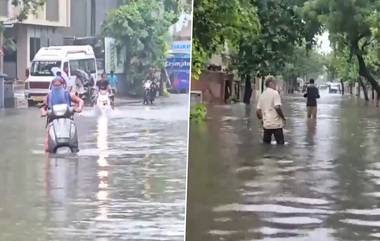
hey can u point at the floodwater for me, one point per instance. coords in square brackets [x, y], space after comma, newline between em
[127, 182]
[323, 185]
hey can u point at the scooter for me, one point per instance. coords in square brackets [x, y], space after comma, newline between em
[62, 131]
[103, 101]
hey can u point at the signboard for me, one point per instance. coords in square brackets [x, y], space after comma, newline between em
[181, 47]
[178, 64]
[178, 70]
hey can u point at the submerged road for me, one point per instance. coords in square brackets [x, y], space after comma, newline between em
[324, 185]
[126, 183]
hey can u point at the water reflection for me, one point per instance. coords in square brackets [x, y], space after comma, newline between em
[126, 183]
[103, 167]
[323, 186]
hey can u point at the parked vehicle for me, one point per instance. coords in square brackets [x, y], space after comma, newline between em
[71, 59]
[334, 88]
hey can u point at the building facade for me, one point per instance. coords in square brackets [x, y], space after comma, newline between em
[54, 24]
[40, 29]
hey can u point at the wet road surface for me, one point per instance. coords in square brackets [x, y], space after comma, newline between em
[323, 185]
[127, 182]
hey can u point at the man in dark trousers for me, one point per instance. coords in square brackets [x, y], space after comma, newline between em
[270, 113]
[312, 94]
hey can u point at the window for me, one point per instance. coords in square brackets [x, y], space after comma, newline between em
[43, 68]
[35, 45]
[86, 65]
[52, 10]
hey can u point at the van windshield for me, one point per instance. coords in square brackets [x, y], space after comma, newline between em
[85, 65]
[43, 68]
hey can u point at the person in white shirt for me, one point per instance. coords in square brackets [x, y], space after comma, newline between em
[270, 113]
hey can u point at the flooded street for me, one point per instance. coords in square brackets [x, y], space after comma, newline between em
[127, 182]
[323, 185]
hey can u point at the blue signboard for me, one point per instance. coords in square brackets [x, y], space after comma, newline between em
[178, 64]
[181, 47]
[179, 73]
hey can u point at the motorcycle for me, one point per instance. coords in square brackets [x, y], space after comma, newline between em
[149, 92]
[62, 131]
[103, 101]
[84, 86]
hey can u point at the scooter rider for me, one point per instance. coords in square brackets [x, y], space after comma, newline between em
[113, 81]
[59, 95]
[103, 84]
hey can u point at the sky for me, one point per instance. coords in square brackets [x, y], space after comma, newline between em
[324, 43]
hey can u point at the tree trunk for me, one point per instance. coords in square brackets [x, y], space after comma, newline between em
[342, 83]
[247, 89]
[364, 89]
[373, 94]
[350, 88]
[163, 79]
[363, 71]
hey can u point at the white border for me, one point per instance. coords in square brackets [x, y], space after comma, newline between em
[188, 120]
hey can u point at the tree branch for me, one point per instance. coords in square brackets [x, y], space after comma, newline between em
[366, 43]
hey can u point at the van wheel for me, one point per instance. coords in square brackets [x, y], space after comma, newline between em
[31, 103]
[74, 150]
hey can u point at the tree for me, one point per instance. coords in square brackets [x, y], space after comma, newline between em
[341, 65]
[141, 28]
[26, 7]
[281, 30]
[303, 63]
[352, 24]
[217, 23]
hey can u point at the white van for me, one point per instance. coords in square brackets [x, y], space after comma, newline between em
[72, 58]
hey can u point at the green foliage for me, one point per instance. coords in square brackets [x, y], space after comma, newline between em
[340, 65]
[177, 6]
[27, 7]
[198, 112]
[304, 63]
[217, 23]
[353, 26]
[141, 27]
[282, 29]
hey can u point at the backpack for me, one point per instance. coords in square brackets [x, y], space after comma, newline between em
[59, 96]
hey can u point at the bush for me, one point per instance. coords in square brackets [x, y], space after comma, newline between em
[198, 112]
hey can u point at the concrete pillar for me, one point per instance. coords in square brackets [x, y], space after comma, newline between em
[2, 80]
[23, 50]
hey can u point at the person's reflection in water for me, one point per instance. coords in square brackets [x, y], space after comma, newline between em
[311, 131]
[103, 167]
[248, 117]
[61, 181]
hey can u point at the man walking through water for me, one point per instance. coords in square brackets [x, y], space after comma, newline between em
[312, 94]
[270, 113]
[113, 81]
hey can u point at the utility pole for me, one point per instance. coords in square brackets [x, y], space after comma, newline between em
[93, 17]
[1, 48]
[1, 66]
